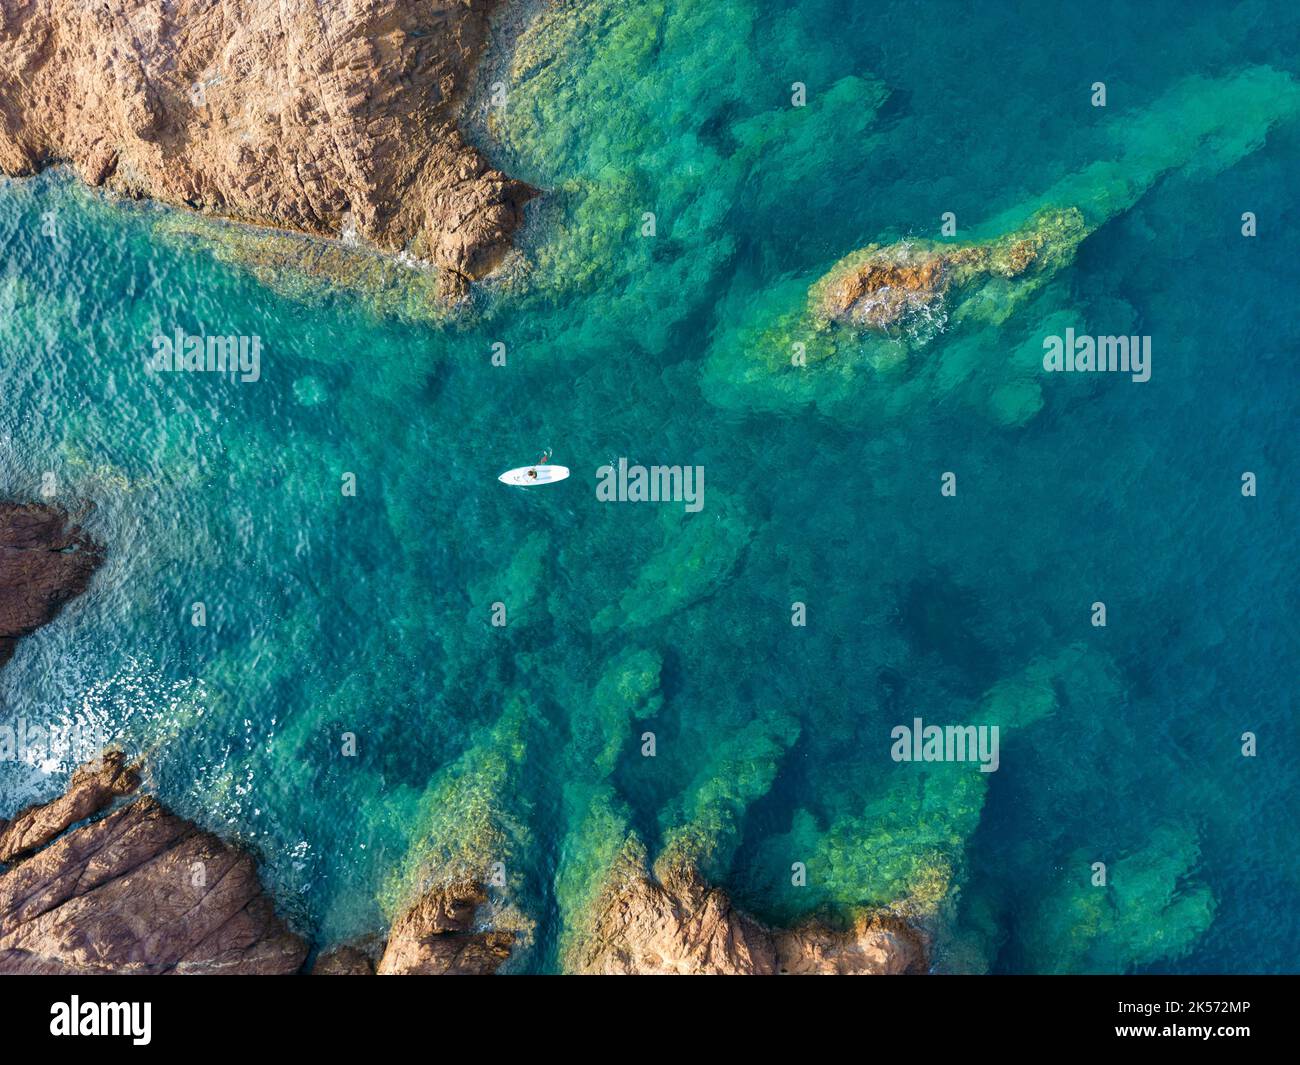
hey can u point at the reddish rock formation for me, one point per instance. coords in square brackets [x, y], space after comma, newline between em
[434, 938]
[92, 788]
[138, 891]
[880, 291]
[681, 926]
[287, 113]
[880, 287]
[876, 945]
[44, 561]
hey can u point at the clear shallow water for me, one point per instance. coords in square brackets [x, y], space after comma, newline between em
[369, 615]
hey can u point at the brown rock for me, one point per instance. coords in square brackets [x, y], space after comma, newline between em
[44, 561]
[288, 113]
[875, 945]
[681, 926]
[343, 961]
[140, 891]
[880, 286]
[879, 291]
[91, 789]
[1019, 258]
[434, 937]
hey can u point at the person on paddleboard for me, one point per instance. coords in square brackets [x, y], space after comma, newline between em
[540, 473]
[542, 460]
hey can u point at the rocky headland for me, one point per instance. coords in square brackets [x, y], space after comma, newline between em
[139, 890]
[326, 119]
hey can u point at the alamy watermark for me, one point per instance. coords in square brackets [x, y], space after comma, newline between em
[187, 353]
[77, 1018]
[651, 484]
[1098, 354]
[38, 744]
[919, 742]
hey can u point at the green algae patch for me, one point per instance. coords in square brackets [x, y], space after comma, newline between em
[1036, 692]
[519, 588]
[899, 848]
[710, 817]
[594, 850]
[595, 854]
[645, 175]
[627, 691]
[897, 841]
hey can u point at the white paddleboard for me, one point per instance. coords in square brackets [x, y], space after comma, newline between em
[526, 475]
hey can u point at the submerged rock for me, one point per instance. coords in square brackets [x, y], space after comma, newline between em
[45, 560]
[138, 891]
[676, 924]
[436, 937]
[328, 119]
[1154, 906]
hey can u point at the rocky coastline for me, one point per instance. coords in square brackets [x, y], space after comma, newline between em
[139, 890]
[104, 879]
[333, 120]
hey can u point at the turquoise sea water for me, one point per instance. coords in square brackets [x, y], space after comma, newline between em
[370, 615]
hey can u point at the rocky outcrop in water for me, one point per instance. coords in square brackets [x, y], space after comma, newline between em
[92, 788]
[436, 937]
[45, 560]
[138, 891]
[287, 113]
[881, 286]
[677, 924]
